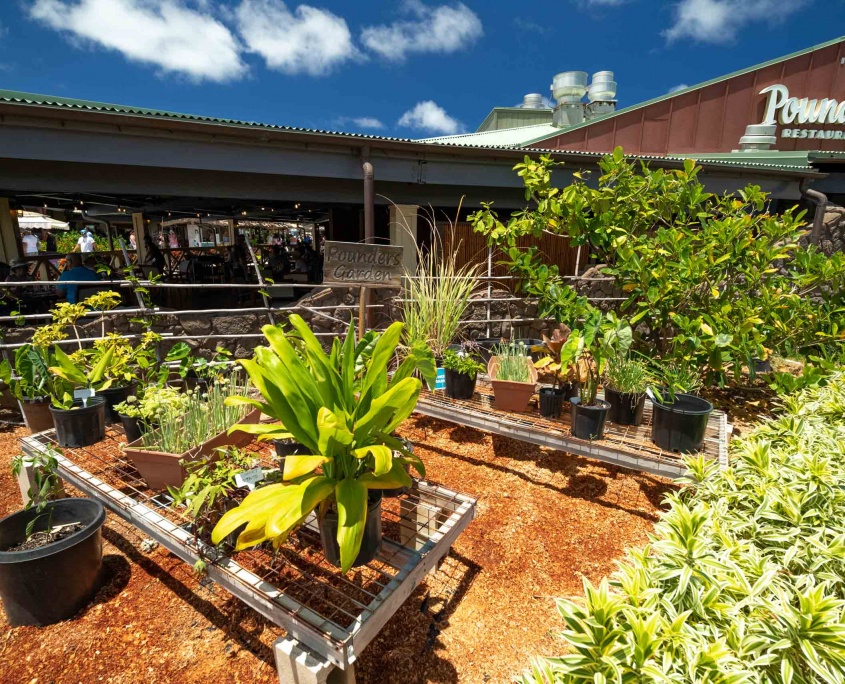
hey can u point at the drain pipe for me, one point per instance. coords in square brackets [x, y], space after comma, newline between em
[364, 313]
[820, 200]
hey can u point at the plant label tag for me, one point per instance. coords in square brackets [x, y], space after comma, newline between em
[249, 478]
[84, 394]
[440, 382]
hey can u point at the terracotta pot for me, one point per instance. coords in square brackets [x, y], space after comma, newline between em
[161, 469]
[36, 414]
[512, 396]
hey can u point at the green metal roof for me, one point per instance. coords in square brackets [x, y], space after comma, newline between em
[528, 115]
[513, 139]
[14, 97]
[677, 93]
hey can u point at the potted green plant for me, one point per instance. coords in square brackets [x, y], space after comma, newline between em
[626, 380]
[50, 552]
[679, 417]
[31, 383]
[559, 361]
[79, 414]
[346, 420]
[462, 369]
[513, 377]
[140, 414]
[193, 432]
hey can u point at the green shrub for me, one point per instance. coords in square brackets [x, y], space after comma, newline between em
[744, 576]
[713, 280]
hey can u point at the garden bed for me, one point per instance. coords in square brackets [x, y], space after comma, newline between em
[545, 519]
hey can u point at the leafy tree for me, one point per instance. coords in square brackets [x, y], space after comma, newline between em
[713, 280]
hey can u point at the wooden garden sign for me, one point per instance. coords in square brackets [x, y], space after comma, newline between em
[352, 263]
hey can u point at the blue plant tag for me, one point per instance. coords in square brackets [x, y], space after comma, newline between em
[440, 382]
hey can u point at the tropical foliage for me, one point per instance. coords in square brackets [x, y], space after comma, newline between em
[716, 280]
[743, 579]
[343, 407]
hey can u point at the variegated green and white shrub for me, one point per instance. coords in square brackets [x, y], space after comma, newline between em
[744, 576]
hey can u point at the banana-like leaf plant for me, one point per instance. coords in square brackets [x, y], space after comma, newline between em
[344, 418]
[75, 377]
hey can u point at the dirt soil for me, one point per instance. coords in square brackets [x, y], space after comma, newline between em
[39, 539]
[545, 521]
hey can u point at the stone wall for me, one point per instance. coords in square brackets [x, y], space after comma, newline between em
[342, 303]
[832, 236]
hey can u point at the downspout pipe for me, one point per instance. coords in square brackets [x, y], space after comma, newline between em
[820, 200]
[369, 200]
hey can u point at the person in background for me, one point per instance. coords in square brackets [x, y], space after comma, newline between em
[74, 270]
[132, 244]
[279, 263]
[300, 265]
[49, 241]
[85, 243]
[155, 257]
[30, 243]
[237, 258]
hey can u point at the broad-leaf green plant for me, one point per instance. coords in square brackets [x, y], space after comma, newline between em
[345, 424]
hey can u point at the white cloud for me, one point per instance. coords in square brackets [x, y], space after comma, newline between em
[447, 28]
[675, 89]
[307, 41]
[166, 33]
[719, 21]
[431, 117]
[368, 122]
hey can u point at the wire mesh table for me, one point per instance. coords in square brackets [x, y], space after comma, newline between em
[334, 615]
[622, 445]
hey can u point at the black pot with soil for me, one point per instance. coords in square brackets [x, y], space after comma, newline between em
[288, 447]
[371, 542]
[588, 421]
[135, 428]
[679, 424]
[81, 425]
[626, 408]
[551, 401]
[40, 585]
[459, 385]
[114, 396]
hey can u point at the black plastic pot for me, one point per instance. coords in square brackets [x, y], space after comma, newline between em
[680, 425]
[82, 425]
[288, 447]
[588, 421]
[570, 390]
[371, 542]
[551, 401]
[114, 396]
[51, 583]
[459, 385]
[134, 428]
[625, 408]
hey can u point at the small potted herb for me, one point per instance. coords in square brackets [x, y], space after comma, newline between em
[31, 383]
[679, 420]
[140, 414]
[462, 369]
[513, 377]
[558, 361]
[79, 414]
[197, 431]
[625, 383]
[50, 552]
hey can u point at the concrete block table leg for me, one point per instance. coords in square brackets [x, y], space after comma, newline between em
[298, 664]
[26, 483]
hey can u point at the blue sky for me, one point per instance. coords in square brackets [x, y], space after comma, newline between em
[406, 68]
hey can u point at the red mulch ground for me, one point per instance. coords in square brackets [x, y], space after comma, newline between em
[545, 520]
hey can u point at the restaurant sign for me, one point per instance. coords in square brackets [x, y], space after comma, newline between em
[351, 263]
[790, 112]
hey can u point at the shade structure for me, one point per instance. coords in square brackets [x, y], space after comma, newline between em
[32, 220]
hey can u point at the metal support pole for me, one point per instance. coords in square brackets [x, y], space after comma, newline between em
[264, 297]
[489, 288]
[369, 221]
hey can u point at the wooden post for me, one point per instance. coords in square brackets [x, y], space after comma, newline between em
[362, 311]
[138, 229]
[10, 234]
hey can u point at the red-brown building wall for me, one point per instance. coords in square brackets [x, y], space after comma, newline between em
[714, 118]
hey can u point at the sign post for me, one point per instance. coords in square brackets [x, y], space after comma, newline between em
[352, 263]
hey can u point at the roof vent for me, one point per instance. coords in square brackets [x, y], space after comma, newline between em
[602, 88]
[533, 101]
[758, 137]
[568, 87]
